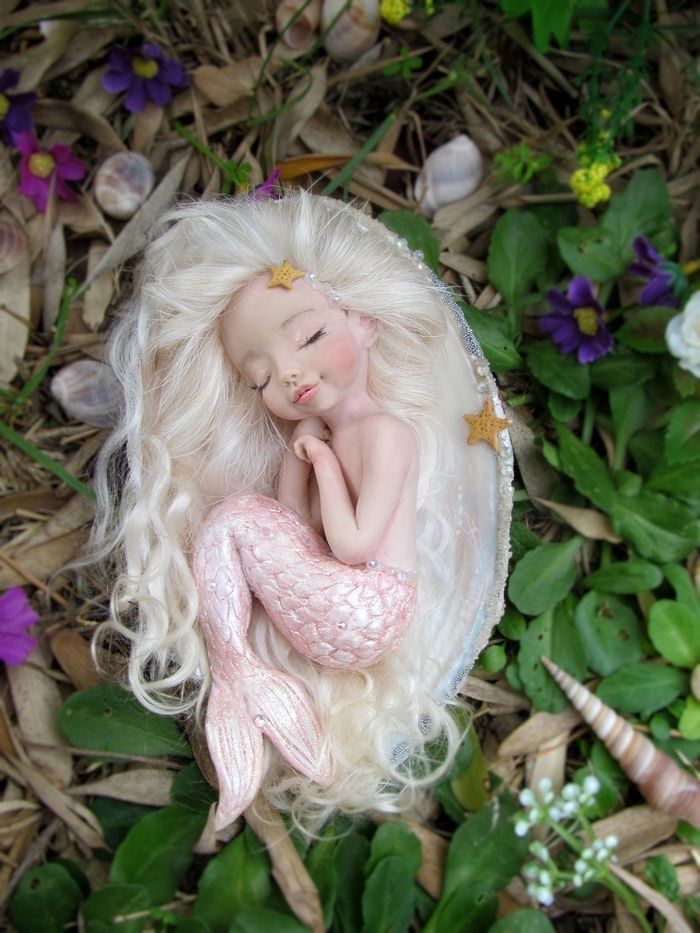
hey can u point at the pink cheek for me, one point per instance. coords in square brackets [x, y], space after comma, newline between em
[339, 358]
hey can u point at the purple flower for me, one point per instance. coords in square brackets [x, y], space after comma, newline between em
[266, 189]
[667, 281]
[40, 170]
[576, 323]
[14, 108]
[16, 615]
[145, 75]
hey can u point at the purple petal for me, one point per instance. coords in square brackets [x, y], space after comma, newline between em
[120, 60]
[8, 79]
[592, 348]
[15, 648]
[159, 92]
[148, 50]
[35, 188]
[659, 291]
[18, 119]
[645, 252]
[68, 165]
[136, 100]
[559, 302]
[581, 293]
[117, 81]
[15, 611]
[26, 143]
[173, 73]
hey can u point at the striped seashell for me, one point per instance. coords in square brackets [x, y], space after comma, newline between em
[122, 184]
[88, 391]
[663, 784]
[13, 245]
[451, 172]
[355, 31]
[301, 33]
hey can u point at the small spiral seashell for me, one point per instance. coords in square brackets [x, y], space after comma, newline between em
[663, 784]
[122, 184]
[451, 172]
[88, 391]
[13, 245]
[301, 33]
[354, 33]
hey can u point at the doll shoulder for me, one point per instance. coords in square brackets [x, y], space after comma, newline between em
[383, 435]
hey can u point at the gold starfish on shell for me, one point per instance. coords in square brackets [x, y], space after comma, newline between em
[284, 275]
[486, 426]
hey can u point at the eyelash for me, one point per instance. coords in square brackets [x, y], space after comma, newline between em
[321, 332]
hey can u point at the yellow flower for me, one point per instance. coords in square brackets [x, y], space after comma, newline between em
[393, 11]
[588, 184]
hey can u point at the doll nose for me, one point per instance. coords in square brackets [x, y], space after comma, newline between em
[290, 376]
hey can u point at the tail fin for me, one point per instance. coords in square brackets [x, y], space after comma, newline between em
[239, 712]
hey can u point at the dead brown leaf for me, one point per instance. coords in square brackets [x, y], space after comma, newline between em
[536, 730]
[72, 652]
[77, 512]
[539, 477]
[225, 86]
[43, 560]
[433, 858]
[676, 920]
[83, 217]
[66, 115]
[476, 689]
[588, 522]
[14, 316]
[548, 762]
[99, 294]
[33, 63]
[146, 127]
[53, 275]
[637, 829]
[148, 786]
[306, 96]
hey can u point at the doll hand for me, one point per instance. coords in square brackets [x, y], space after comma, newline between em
[307, 447]
[314, 426]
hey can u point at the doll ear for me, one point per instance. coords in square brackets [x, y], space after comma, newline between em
[368, 329]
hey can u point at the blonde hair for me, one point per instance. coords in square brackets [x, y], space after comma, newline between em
[192, 434]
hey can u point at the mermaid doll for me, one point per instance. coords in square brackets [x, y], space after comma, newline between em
[309, 544]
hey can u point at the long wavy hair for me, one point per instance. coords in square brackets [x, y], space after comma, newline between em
[192, 433]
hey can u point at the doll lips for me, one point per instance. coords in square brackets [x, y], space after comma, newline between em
[305, 394]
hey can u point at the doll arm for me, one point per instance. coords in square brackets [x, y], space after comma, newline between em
[388, 451]
[296, 485]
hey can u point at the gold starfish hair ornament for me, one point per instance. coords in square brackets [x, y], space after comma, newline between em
[486, 426]
[283, 276]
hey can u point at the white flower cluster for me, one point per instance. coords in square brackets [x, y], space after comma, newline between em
[544, 876]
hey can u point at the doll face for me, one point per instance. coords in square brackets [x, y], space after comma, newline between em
[302, 353]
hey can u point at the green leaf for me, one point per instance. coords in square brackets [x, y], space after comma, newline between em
[493, 659]
[661, 874]
[561, 408]
[484, 855]
[642, 209]
[625, 577]
[522, 539]
[689, 723]
[683, 434]
[553, 635]
[108, 719]
[590, 251]
[518, 253]
[544, 576]
[158, 851]
[189, 789]
[117, 817]
[321, 865]
[46, 899]
[525, 920]
[610, 632]
[116, 900]
[512, 625]
[659, 528]
[395, 839]
[645, 329]
[388, 898]
[683, 586]
[630, 407]
[350, 857]
[417, 232]
[493, 334]
[642, 688]
[622, 367]
[235, 879]
[561, 373]
[586, 469]
[675, 632]
[259, 919]
[678, 479]
[465, 910]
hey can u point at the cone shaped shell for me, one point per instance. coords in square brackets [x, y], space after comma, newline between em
[355, 31]
[451, 172]
[300, 34]
[88, 391]
[663, 784]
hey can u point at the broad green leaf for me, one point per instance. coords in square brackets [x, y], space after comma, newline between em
[553, 635]
[493, 659]
[675, 632]
[683, 434]
[659, 528]
[626, 577]
[46, 899]
[417, 232]
[321, 865]
[116, 900]
[512, 625]
[117, 817]
[158, 851]
[678, 479]
[518, 253]
[684, 382]
[108, 719]
[610, 632]
[689, 723]
[484, 855]
[263, 920]
[630, 407]
[643, 208]
[525, 920]
[683, 586]
[465, 910]
[563, 374]
[522, 539]
[586, 469]
[642, 688]
[350, 857]
[645, 329]
[561, 408]
[589, 251]
[661, 874]
[647, 448]
[493, 334]
[388, 898]
[469, 776]
[189, 789]
[622, 367]
[391, 839]
[544, 576]
[235, 879]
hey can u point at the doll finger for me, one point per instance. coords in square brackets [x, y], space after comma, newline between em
[300, 449]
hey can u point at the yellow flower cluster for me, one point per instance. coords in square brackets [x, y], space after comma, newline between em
[393, 11]
[588, 182]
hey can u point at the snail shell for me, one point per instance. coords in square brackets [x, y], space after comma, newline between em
[354, 33]
[122, 184]
[663, 784]
[300, 34]
[88, 391]
[13, 245]
[451, 172]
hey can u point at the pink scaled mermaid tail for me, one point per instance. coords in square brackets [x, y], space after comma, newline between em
[337, 615]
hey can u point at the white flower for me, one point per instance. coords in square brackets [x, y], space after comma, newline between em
[571, 792]
[545, 785]
[522, 827]
[570, 808]
[591, 785]
[556, 813]
[683, 336]
[526, 797]
[611, 841]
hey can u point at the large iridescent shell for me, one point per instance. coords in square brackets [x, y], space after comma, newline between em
[451, 172]
[13, 245]
[355, 31]
[122, 184]
[88, 391]
[300, 34]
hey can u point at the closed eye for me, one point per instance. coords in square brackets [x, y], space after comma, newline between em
[263, 386]
[321, 332]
